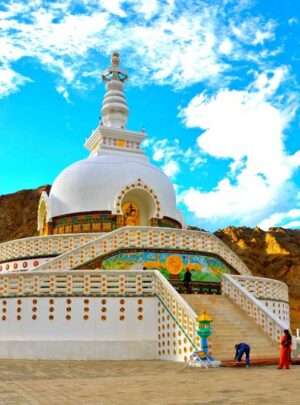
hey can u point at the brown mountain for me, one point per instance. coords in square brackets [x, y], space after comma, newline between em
[18, 213]
[274, 254]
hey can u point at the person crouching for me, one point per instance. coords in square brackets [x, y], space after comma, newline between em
[240, 350]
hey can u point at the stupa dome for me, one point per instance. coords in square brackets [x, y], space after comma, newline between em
[100, 182]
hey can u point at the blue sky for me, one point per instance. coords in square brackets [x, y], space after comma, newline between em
[215, 84]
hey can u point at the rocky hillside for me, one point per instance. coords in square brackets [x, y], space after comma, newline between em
[18, 213]
[274, 254]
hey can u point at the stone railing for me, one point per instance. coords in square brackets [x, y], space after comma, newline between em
[264, 288]
[148, 238]
[272, 293]
[41, 246]
[263, 317]
[79, 283]
[178, 308]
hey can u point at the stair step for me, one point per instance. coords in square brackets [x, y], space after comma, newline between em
[232, 325]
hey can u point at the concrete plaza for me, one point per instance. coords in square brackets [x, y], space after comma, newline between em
[143, 382]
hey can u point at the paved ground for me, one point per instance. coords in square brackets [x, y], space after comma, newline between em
[139, 382]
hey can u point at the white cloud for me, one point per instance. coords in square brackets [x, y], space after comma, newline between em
[226, 46]
[148, 8]
[114, 7]
[268, 82]
[247, 127]
[64, 92]
[253, 31]
[282, 219]
[293, 21]
[171, 156]
[292, 224]
[163, 43]
[10, 81]
[171, 168]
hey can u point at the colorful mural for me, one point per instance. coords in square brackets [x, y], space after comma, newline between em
[171, 265]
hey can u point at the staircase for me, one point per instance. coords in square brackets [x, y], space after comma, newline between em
[232, 325]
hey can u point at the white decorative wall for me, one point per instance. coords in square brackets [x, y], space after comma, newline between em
[94, 314]
[79, 328]
[173, 343]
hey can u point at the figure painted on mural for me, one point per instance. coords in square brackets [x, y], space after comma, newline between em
[174, 264]
[187, 280]
[285, 350]
[240, 350]
[131, 214]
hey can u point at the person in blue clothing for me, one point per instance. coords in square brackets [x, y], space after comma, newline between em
[240, 350]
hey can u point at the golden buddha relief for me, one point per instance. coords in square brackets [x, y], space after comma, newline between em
[131, 214]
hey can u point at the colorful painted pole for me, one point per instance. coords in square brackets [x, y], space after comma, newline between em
[202, 358]
[204, 330]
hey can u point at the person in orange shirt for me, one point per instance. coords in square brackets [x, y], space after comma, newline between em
[285, 350]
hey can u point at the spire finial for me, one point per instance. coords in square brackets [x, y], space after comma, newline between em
[114, 107]
[114, 72]
[115, 59]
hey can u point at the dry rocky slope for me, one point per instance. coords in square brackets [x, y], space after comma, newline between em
[18, 213]
[274, 254]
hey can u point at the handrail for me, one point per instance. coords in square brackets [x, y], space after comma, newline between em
[187, 240]
[47, 237]
[35, 246]
[253, 278]
[182, 313]
[264, 288]
[77, 249]
[261, 314]
[179, 298]
[58, 272]
[81, 282]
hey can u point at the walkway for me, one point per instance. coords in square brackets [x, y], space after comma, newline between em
[139, 383]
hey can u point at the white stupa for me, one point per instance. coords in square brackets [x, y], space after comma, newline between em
[117, 171]
[102, 280]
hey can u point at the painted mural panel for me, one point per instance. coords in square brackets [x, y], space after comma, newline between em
[203, 268]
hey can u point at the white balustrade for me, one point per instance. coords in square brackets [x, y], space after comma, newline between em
[39, 246]
[264, 288]
[81, 282]
[267, 320]
[177, 308]
[272, 293]
[145, 237]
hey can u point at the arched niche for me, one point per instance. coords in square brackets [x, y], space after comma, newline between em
[137, 207]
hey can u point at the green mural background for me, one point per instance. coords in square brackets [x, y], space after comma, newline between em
[203, 268]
